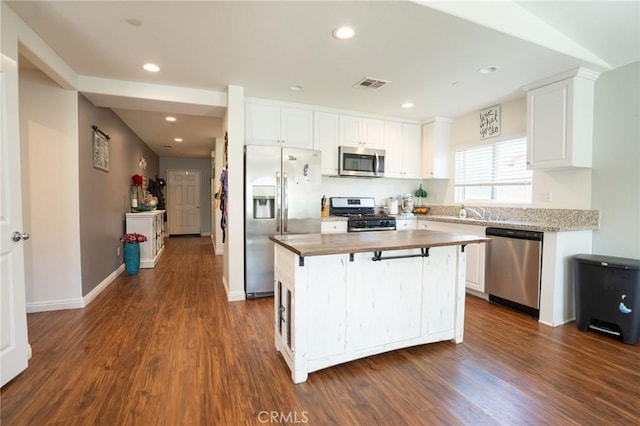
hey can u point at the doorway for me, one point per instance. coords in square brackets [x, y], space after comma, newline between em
[183, 202]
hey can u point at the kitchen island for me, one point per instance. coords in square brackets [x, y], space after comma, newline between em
[341, 297]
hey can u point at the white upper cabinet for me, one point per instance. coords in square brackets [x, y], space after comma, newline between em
[411, 151]
[276, 125]
[393, 147]
[403, 150]
[560, 121]
[436, 134]
[361, 132]
[325, 138]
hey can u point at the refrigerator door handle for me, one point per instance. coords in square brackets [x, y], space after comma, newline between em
[285, 196]
[278, 203]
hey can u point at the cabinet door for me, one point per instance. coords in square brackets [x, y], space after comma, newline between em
[405, 225]
[560, 122]
[435, 149]
[325, 138]
[547, 124]
[475, 252]
[475, 267]
[389, 296]
[411, 151]
[394, 149]
[333, 227]
[296, 128]
[373, 133]
[153, 236]
[350, 131]
[262, 124]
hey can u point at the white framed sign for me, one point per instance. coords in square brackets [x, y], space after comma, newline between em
[490, 122]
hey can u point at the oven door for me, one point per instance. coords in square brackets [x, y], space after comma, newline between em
[361, 162]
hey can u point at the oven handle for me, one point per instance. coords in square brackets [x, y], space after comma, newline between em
[377, 165]
[383, 228]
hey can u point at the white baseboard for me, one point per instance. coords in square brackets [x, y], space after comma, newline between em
[236, 296]
[59, 305]
[55, 305]
[205, 234]
[103, 285]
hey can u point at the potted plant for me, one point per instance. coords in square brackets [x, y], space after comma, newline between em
[132, 251]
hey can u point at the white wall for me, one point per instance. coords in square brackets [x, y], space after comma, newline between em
[234, 244]
[568, 188]
[216, 231]
[49, 146]
[616, 162]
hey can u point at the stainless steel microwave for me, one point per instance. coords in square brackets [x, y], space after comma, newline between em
[361, 162]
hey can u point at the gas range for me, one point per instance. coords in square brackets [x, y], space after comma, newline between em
[360, 214]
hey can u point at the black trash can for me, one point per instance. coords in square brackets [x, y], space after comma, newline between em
[607, 291]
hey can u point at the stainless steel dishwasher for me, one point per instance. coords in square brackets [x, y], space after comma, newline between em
[512, 268]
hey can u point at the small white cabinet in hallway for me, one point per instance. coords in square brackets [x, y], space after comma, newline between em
[151, 225]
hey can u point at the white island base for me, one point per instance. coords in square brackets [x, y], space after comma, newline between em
[335, 308]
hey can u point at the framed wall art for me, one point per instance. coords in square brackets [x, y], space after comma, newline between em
[100, 149]
[490, 122]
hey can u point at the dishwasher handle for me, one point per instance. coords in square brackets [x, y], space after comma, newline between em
[514, 233]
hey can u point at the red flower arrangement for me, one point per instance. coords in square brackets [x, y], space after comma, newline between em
[137, 180]
[133, 238]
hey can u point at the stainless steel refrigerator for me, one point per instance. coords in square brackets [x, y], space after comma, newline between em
[282, 196]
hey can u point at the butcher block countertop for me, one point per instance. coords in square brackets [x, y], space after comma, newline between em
[360, 242]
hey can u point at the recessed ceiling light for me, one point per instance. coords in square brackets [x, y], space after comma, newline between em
[407, 105]
[488, 70]
[151, 67]
[171, 119]
[177, 139]
[343, 33]
[295, 87]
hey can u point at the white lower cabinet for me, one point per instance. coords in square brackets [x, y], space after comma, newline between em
[333, 226]
[406, 224]
[151, 225]
[475, 252]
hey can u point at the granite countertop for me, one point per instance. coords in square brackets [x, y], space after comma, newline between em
[531, 219]
[362, 242]
[514, 224]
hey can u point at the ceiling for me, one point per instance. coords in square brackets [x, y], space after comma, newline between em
[430, 52]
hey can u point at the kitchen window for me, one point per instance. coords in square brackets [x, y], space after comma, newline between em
[494, 173]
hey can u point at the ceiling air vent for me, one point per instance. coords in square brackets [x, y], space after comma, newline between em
[370, 83]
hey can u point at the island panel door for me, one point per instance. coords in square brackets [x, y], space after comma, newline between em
[384, 300]
[439, 297]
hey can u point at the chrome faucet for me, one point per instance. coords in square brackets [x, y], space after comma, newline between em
[480, 213]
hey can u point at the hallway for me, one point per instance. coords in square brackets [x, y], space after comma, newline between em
[166, 348]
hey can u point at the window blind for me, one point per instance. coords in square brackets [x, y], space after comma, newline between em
[495, 172]
[502, 163]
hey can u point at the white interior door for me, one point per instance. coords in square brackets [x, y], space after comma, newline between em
[183, 202]
[14, 349]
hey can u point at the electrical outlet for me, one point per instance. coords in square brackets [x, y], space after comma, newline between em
[546, 197]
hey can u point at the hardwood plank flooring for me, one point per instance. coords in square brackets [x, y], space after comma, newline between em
[164, 347]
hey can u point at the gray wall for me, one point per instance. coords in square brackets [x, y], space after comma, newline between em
[203, 165]
[616, 162]
[104, 197]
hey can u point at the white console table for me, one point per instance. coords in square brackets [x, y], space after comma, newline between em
[151, 225]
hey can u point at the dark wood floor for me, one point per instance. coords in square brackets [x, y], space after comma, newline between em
[166, 348]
